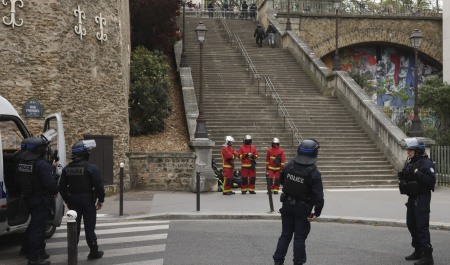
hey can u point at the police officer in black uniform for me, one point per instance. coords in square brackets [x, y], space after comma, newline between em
[38, 188]
[259, 34]
[244, 10]
[302, 190]
[82, 189]
[417, 180]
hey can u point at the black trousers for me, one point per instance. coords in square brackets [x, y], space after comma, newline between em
[259, 40]
[84, 205]
[418, 221]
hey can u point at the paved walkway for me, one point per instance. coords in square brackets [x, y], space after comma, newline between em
[368, 206]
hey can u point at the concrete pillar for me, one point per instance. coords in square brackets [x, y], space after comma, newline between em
[203, 157]
[446, 42]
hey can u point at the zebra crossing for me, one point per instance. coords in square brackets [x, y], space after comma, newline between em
[124, 243]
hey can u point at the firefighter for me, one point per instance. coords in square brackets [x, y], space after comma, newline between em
[274, 164]
[248, 154]
[228, 156]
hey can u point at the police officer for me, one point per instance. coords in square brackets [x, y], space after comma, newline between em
[417, 180]
[302, 190]
[259, 34]
[228, 156]
[38, 188]
[253, 12]
[244, 10]
[82, 189]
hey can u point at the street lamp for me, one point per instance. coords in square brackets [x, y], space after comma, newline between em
[288, 22]
[200, 130]
[336, 60]
[183, 62]
[416, 128]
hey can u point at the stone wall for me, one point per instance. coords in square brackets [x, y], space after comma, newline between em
[162, 171]
[358, 30]
[80, 76]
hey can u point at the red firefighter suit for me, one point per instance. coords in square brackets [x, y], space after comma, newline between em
[247, 153]
[228, 156]
[274, 164]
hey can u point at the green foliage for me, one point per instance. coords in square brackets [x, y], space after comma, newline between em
[435, 94]
[149, 103]
[361, 79]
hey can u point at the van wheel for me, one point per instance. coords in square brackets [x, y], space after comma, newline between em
[49, 231]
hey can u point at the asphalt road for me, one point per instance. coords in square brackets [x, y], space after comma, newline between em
[209, 242]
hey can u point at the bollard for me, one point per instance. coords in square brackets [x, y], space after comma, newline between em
[198, 191]
[269, 191]
[72, 242]
[121, 190]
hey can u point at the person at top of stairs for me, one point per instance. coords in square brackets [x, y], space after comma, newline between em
[248, 154]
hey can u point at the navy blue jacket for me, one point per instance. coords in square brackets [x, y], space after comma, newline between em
[97, 182]
[425, 172]
[44, 171]
[314, 181]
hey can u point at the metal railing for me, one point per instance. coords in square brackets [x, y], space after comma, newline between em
[280, 105]
[216, 13]
[368, 9]
[255, 77]
[441, 156]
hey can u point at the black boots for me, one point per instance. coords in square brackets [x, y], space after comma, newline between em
[416, 255]
[94, 253]
[427, 259]
[38, 261]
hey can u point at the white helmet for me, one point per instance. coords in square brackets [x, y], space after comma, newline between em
[276, 141]
[229, 140]
[247, 139]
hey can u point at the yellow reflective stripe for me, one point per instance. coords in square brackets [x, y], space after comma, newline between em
[227, 166]
[240, 156]
[225, 191]
[267, 163]
[274, 168]
[246, 165]
[244, 189]
[272, 157]
[282, 164]
[251, 189]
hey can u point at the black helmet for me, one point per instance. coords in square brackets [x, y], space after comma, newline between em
[81, 149]
[36, 147]
[307, 152]
[416, 145]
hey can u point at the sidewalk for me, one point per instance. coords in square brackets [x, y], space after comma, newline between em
[368, 206]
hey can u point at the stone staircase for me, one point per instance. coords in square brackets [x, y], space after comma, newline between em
[232, 106]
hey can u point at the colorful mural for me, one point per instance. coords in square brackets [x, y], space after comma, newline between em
[381, 63]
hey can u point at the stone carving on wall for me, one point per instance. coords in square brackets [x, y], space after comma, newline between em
[79, 29]
[102, 22]
[12, 20]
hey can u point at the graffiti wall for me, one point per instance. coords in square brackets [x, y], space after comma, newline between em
[381, 63]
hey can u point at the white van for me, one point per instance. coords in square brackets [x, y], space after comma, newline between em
[14, 215]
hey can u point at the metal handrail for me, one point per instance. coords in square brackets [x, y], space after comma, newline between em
[287, 117]
[255, 75]
[229, 34]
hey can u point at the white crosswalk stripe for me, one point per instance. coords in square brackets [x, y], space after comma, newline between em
[124, 243]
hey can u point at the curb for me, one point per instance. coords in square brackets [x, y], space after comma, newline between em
[272, 216]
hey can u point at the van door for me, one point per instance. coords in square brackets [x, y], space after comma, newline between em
[2, 191]
[56, 148]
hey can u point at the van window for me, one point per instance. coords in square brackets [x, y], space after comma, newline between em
[11, 136]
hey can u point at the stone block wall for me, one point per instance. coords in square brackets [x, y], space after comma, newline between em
[80, 76]
[162, 171]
